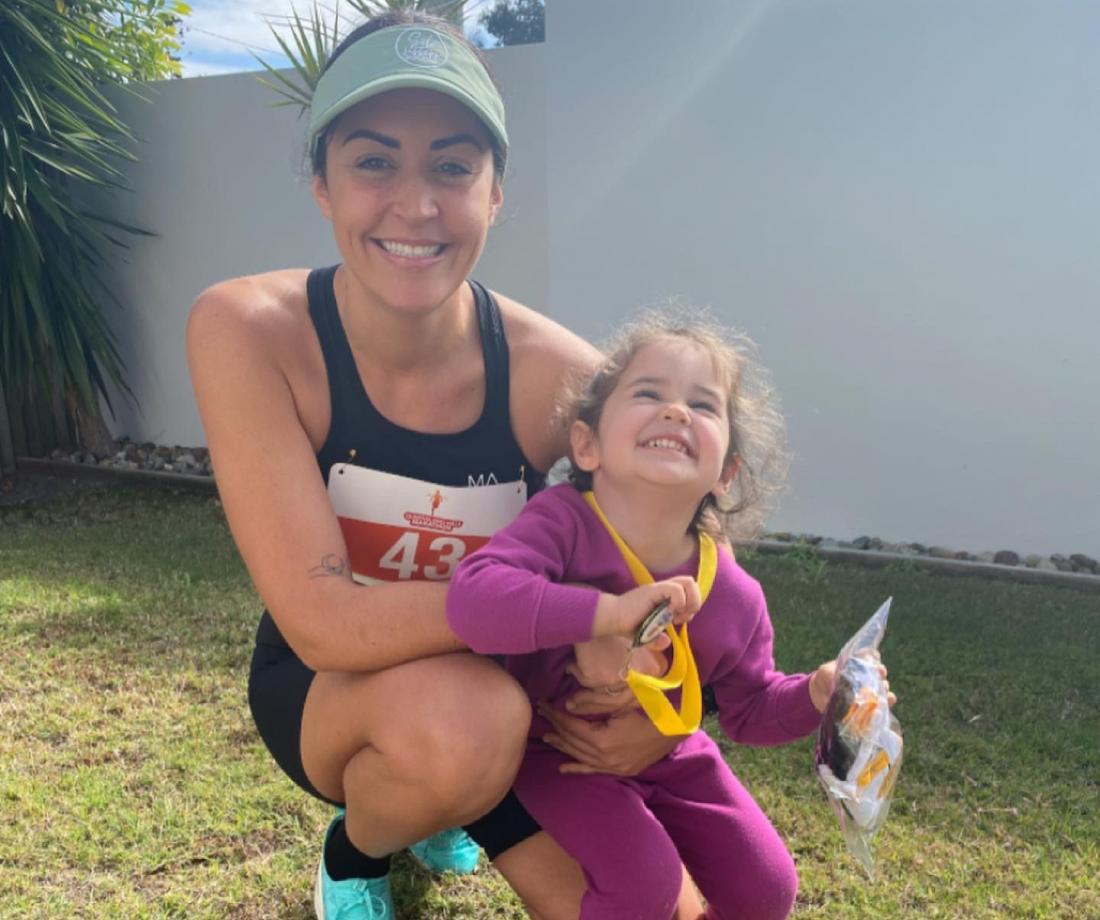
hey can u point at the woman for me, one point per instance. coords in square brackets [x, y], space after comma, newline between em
[363, 694]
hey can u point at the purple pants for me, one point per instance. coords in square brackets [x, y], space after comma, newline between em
[630, 835]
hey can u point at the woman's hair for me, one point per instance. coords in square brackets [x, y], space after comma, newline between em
[756, 429]
[385, 21]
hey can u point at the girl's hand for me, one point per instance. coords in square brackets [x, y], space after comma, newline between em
[824, 678]
[624, 746]
[821, 685]
[621, 615]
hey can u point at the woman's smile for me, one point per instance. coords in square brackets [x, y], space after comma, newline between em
[417, 253]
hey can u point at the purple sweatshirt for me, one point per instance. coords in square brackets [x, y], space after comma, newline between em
[510, 597]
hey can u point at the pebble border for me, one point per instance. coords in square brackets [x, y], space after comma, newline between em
[189, 468]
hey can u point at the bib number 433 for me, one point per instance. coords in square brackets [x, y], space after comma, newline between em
[382, 552]
[410, 558]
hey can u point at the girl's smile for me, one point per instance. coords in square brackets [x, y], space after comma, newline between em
[664, 424]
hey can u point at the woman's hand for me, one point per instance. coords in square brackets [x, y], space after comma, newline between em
[624, 745]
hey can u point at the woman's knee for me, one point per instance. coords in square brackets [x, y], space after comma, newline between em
[466, 749]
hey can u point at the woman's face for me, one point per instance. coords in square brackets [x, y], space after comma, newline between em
[410, 189]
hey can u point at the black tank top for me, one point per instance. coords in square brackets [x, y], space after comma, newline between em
[359, 434]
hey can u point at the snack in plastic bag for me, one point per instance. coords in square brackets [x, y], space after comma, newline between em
[859, 743]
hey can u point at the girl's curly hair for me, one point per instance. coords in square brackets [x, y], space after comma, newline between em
[756, 428]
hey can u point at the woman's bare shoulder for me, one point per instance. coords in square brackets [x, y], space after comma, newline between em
[274, 298]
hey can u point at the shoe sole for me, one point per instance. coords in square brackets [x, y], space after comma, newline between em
[318, 896]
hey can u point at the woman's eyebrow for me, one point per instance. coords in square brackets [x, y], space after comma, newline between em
[384, 139]
[457, 139]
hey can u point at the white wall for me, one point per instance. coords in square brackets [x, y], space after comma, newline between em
[899, 201]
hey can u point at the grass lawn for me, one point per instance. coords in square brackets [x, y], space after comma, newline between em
[133, 785]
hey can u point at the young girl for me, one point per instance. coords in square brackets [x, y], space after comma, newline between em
[670, 433]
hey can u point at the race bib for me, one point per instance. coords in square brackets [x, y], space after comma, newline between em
[398, 528]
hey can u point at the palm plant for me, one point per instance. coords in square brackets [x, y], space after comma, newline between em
[312, 40]
[60, 138]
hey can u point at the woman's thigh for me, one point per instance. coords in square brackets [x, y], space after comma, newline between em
[445, 721]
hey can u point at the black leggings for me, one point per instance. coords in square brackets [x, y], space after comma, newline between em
[277, 686]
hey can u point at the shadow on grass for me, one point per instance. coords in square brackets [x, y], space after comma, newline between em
[152, 579]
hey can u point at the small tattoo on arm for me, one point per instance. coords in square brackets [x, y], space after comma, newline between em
[331, 564]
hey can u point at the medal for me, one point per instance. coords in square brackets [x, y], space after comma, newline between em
[682, 673]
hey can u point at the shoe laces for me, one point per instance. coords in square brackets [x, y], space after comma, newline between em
[353, 910]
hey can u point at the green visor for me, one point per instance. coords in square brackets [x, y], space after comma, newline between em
[402, 57]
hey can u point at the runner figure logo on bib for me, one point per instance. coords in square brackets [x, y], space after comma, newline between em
[398, 528]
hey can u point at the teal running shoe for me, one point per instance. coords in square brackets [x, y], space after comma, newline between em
[448, 851]
[353, 898]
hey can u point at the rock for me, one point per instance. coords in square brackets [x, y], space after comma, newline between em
[861, 542]
[1006, 557]
[1085, 562]
[941, 552]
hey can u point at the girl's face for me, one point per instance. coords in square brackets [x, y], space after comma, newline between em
[410, 190]
[666, 423]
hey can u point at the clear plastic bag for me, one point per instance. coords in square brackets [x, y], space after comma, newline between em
[859, 744]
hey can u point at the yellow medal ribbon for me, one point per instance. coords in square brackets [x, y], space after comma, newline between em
[650, 691]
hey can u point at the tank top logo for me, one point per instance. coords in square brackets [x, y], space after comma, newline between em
[421, 48]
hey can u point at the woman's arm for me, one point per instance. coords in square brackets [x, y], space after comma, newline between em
[276, 502]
